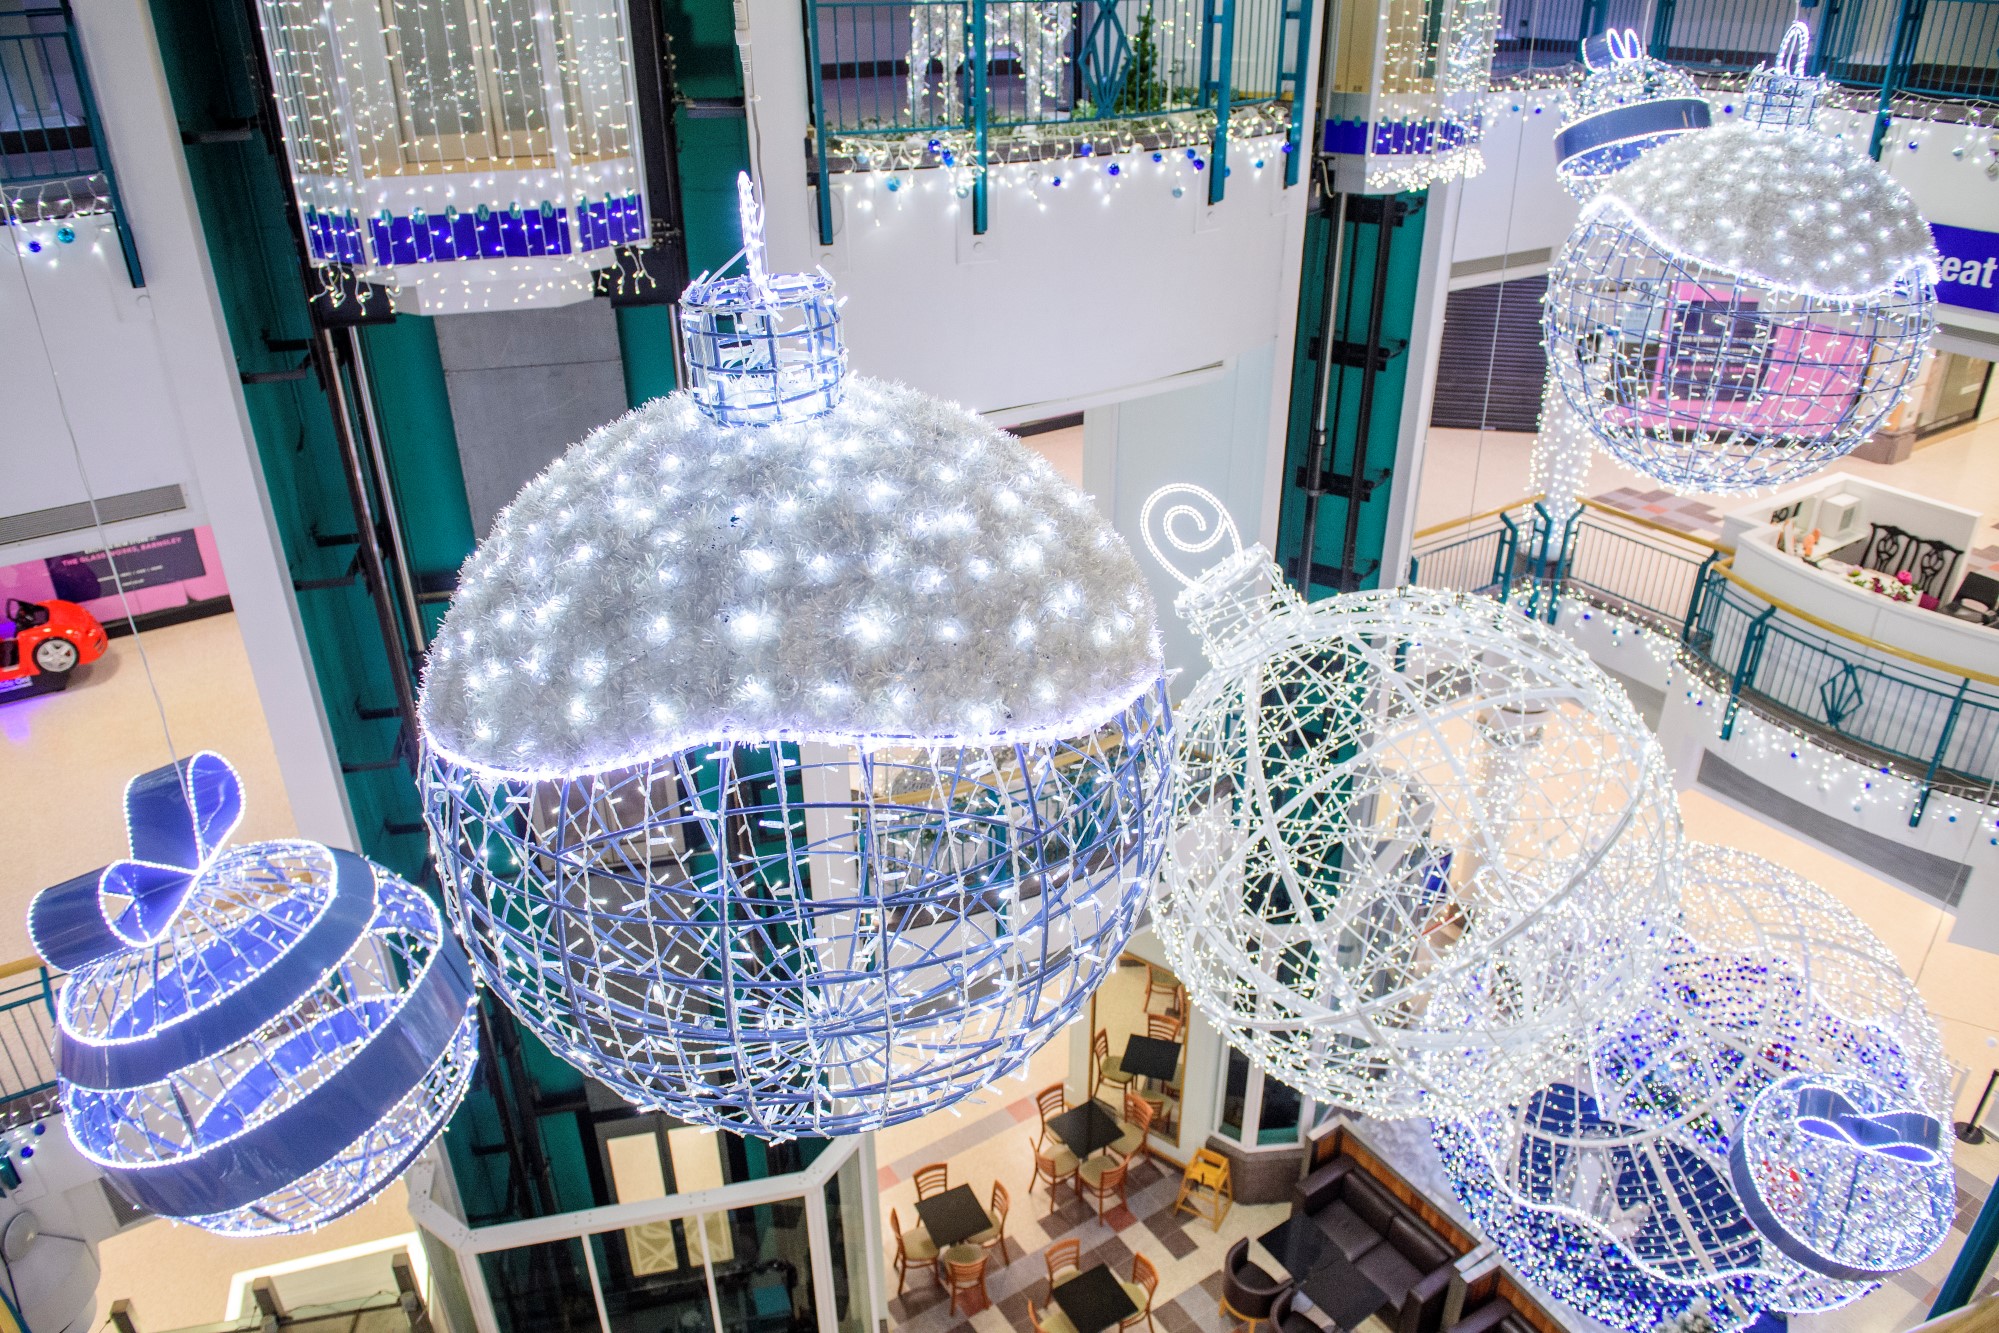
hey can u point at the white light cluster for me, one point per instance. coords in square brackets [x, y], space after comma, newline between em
[895, 568]
[1564, 449]
[1421, 843]
[1436, 79]
[1793, 210]
[437, 108]
[1613, 1189]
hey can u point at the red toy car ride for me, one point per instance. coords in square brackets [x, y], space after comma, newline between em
[45, 642]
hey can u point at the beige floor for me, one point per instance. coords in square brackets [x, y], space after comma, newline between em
[1468, 472]
[64, 762]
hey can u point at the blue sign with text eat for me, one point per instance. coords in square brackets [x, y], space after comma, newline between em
[1970, 260]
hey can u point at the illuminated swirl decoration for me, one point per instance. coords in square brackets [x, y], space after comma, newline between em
[1421, 843]
[1615, 1190]
[1741, 306]
[802, 777]
[256, 1039]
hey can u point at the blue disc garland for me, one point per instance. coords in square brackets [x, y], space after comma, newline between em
[254, 1040]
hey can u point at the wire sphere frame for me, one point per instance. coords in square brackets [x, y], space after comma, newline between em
[254, 905]
[1715, 382]
[808, 938]
[1368, 891]
[1615, 1192]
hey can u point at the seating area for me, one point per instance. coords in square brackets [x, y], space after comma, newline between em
[1378, 1242]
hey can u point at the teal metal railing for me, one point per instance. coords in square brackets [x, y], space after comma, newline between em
[27, 1040]
[53, 162]
[1872, 701]
[1924, 48]
[974, 82]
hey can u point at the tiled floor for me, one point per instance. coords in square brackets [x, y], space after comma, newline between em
[995, 1142]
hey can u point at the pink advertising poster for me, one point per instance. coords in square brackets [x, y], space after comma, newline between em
[158, 574]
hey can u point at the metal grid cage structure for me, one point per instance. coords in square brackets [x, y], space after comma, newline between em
[1614, 1191]
[1711, 381]
[808, 938]
[760, 354]
[256, 1040]
[1421, 843]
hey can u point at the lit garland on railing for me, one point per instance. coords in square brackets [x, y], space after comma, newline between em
[1127, 151]
[1615, 1193]
[799, 777]
[480, 155]
[1421, 844]
[254, 1040]
[1425, 121]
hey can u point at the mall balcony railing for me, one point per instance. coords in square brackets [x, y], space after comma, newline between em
[968, 85]
[53, 161]
[27, 1041]
[1871, 701]
[1924, 48]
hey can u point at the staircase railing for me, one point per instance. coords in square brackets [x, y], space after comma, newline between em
[27, 1040]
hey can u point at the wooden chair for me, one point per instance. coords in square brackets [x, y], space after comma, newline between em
[1052, 1101]
[1101, 1177]
[1109, 1068]
[1052, 1322]
[995, 1234]
[1137, 1127]
[1143, 1285]
[911, 1247]
[967, 1276]
[1064, 1259]
[932, 1179]
[1160, 985]
[1164, 1027]
[1205, 1190]
[1249, 1295]
[1055, 1165]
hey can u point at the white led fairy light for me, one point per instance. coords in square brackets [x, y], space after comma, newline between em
[1386, 804]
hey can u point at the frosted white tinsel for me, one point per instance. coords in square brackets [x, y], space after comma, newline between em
[896, 568]
[1791, 208]
[1421, 843]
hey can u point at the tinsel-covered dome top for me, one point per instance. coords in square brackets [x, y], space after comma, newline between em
[895, 568]
[1791, 208]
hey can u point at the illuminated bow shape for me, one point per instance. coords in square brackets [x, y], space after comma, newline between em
[1906, 1136]
[178, 819]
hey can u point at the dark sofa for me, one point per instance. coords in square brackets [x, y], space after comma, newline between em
[1383, 1238]
[1495, 1316]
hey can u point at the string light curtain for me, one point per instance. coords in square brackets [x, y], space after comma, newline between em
[1614, 1187]
[796, 747]
[476, 154]
[1410, 89]
[1743, 305]
[1421, 843]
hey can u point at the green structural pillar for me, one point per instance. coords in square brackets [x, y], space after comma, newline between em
[1972, 1261]
[1356, 307]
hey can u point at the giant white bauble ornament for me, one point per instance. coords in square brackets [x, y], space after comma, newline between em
[1421, 843]
[796, 747]
[1741, 306]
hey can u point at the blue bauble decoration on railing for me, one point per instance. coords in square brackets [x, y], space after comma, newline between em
[1739, 307]
[796, 747]
[256, 1039]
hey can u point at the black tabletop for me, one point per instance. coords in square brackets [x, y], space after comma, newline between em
[1297, 1243]
[1149, 1057]
[1094, 1300]
[1345, 1293]
[1086, 1129]
[952, 1215]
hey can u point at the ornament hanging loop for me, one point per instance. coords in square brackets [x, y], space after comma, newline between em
[1192, 526]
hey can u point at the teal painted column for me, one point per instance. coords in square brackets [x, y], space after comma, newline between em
[1350, 368]
[1961, 1283]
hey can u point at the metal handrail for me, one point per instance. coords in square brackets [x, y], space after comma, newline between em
[1470, 519]
[1725, 569]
